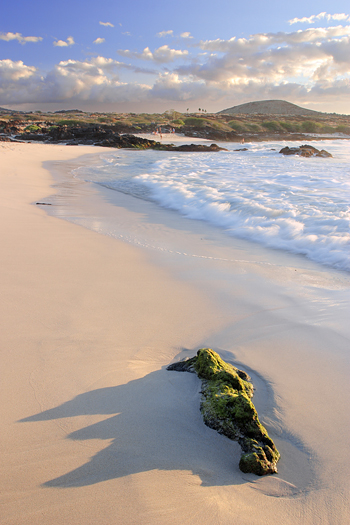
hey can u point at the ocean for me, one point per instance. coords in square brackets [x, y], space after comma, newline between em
[289, 203]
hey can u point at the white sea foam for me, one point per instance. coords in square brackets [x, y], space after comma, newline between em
[290, 203]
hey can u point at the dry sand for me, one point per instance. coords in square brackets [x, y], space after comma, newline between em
[93, 428]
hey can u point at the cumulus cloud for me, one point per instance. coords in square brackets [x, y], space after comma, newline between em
[169, 86]
[312, 64]
[274, 57]
[93, 80]
[19, 37]
[99, 40]
[161, 55]
[64, 43]
[314, 18]
[13, 71]
[262, 41]
[107, 24]
[165, 33]
[18, 82]
[186, 34]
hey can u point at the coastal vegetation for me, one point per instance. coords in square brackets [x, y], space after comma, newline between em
[253, 126]
[226, 407]
[321, 123]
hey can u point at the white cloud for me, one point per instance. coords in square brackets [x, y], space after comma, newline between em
[301, 66]
[261, 41]
[312, 62]
[106, 24]
[19, 37]
[99, 40]
[13, 71]
[274, 57]
[161, 55]
[18, 82]
[96, 80]
[313, 18]
[169, 86]
[63, 43]
[71, 80]
[186, 34]
[165, 33]
[165, 54]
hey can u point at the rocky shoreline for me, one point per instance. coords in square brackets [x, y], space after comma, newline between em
[95, 135]
[119, 135]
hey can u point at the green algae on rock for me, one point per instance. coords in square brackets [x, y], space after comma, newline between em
[226, 407]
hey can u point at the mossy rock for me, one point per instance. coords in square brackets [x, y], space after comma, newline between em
[226, 407]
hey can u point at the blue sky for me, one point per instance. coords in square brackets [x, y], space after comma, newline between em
[152, 56]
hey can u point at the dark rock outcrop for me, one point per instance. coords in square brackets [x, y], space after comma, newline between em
[226, 407]
[10, 126]
[97, 135]
[305, 151]
[191, 147]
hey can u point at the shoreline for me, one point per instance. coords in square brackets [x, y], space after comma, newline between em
[134, 140]
[100, 350]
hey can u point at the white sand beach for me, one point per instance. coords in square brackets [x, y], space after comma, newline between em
[93, 428]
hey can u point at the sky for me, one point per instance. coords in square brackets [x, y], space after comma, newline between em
[137, 56]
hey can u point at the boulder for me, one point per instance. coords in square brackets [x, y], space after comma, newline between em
[226, 407]
[192, 147]
[305, 151]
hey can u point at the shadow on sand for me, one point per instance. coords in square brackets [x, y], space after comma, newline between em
[155, 425]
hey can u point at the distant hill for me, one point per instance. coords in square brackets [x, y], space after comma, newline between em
[69, 111]
[269, 107]
[9, 111]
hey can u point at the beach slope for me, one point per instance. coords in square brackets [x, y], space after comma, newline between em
[93, 427]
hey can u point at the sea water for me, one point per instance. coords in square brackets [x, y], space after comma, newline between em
[301, 205]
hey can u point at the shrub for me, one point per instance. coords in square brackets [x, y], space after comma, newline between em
[219, 125]
[310, 127]
[343, 129]
[178, 122]
[271, 125]
[123, 123]
[105, 119]
[32, 128]
[253, 127]
[196, 121]
[70, 122]
[290, 126]
[237, 126]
